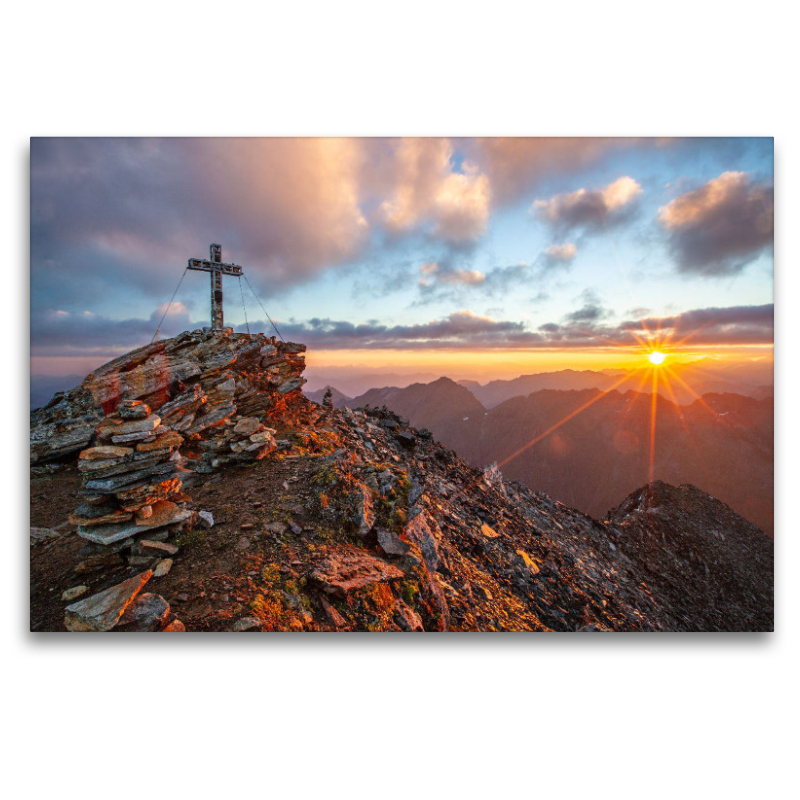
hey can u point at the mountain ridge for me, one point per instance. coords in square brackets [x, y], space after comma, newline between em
[609, 440]
[331, 520]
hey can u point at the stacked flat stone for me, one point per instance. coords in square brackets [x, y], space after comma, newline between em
[201, 384]
[239, 439]
[131, 479]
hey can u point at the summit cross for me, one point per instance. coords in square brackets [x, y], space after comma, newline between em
[217, 268]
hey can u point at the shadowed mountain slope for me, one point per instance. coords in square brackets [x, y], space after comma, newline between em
[589, 449]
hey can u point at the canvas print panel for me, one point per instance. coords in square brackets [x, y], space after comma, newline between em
[409, 385]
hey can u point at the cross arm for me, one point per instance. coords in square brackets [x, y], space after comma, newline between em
[204, 265]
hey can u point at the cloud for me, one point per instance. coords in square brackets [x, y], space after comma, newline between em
[59, 333]
[56, 335]
[427, 273]
[428, 194]
[732, 325]
[735, 325]
[721, 227]
[591, 312]
[558, 255]
[589, 209]
[516, 165]
[461, 329]
[561, 252]
[469, 277]
[112, 213]
[107, 213]
[433, 273]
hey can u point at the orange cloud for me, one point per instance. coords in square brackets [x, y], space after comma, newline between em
[426, 190]
[584, 208]
[431, 273]
[561, 252]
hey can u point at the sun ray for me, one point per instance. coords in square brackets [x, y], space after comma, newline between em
[691, 392]
[682, 419]
[653, 412]
[569, 416]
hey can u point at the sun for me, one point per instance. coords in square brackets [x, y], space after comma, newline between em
[656, 358]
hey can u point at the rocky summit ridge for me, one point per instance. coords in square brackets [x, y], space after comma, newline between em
[195, 467]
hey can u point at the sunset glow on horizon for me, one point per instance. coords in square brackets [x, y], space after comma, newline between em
[479, 259]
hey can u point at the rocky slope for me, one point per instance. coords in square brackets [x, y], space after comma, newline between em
[680, 537]
[350, 520]
[602, 453]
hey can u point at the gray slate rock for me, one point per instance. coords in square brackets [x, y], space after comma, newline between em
[102, 611]
[391, 544]
[148, 612]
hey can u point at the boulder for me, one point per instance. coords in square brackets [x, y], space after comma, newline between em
[489, 532]
[99, 561]
[418, 530]
[347, 569]
[246, 426]
[407, 618]
[162, 513]
[169, 440]
[247, 624]
[364, 516]
[159, 547]
[148, 612]
[162, 568]
[336, 619]
[391, 544]
[74, 593]
[108, 534]
[205, 519]
[105, 452]
[102, 611]
[42, 534]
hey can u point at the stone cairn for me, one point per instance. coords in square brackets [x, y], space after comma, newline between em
[219, 390]
[148, 423]
[131, 481]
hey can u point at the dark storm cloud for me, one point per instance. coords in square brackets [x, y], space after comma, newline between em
[721, 227]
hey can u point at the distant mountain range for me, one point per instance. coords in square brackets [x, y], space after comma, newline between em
[691, 381]
[722, 442]
[339, 400]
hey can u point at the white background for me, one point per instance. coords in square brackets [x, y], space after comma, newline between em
[670, 716]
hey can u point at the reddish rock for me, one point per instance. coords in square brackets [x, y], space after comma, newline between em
[347, 569]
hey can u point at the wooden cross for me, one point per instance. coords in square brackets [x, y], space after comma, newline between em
[217, 269]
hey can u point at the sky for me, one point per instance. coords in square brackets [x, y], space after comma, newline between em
[474, 258]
